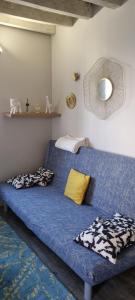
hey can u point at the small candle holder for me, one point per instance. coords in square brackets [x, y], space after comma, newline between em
[37, 108]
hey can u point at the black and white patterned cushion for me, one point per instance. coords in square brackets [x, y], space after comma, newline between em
[41, 177]
[108, 237]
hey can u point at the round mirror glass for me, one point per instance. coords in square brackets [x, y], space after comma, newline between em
[105, 89]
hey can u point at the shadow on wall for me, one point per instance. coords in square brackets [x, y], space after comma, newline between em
[23, 145]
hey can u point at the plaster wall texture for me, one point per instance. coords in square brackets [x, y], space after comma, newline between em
[109, 34]
[25, 72]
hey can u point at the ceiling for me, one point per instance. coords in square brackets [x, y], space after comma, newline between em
[43, 15]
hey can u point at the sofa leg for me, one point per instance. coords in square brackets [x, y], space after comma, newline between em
[5, 207]
[87, 291]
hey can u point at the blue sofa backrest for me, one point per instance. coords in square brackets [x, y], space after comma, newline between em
[112, 186]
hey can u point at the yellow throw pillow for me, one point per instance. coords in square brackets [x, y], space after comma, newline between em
[76, 186]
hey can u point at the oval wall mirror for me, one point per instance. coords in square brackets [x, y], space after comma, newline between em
[105, 89]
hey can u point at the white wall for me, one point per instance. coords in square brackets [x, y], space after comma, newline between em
[110, 34]
[25, 71]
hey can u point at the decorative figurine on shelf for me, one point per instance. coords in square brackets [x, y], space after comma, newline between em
[48, 105]
[27, 105]
[15, 106]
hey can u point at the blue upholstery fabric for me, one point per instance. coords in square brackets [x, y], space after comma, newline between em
[56, 220]
[113, 176]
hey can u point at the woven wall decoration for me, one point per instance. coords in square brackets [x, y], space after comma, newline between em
[104, 69]
[71, 101]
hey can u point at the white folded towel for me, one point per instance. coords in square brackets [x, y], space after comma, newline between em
[70, 143]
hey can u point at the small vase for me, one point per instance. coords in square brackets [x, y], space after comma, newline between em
[37, 108]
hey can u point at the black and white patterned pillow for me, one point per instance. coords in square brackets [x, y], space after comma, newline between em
[108, 237]
[41, 177]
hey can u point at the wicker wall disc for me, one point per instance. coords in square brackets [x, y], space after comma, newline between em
[104, 68]
[71, 101]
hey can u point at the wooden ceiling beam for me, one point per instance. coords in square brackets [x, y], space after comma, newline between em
[29, 25]
[107, 3]
[26, 12]
[74, 8]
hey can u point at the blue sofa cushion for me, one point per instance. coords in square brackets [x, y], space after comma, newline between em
[56, 220]
[112, 184]
[108, 237]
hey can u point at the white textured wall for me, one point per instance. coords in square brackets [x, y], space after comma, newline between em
[111, 33]
[25, 71]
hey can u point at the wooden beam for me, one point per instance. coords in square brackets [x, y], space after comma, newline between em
[107, 3]
[29, 25]
[74, 8]
[34, 14]
[96, 9]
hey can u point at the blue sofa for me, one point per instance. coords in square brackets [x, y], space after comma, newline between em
[56, 220]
